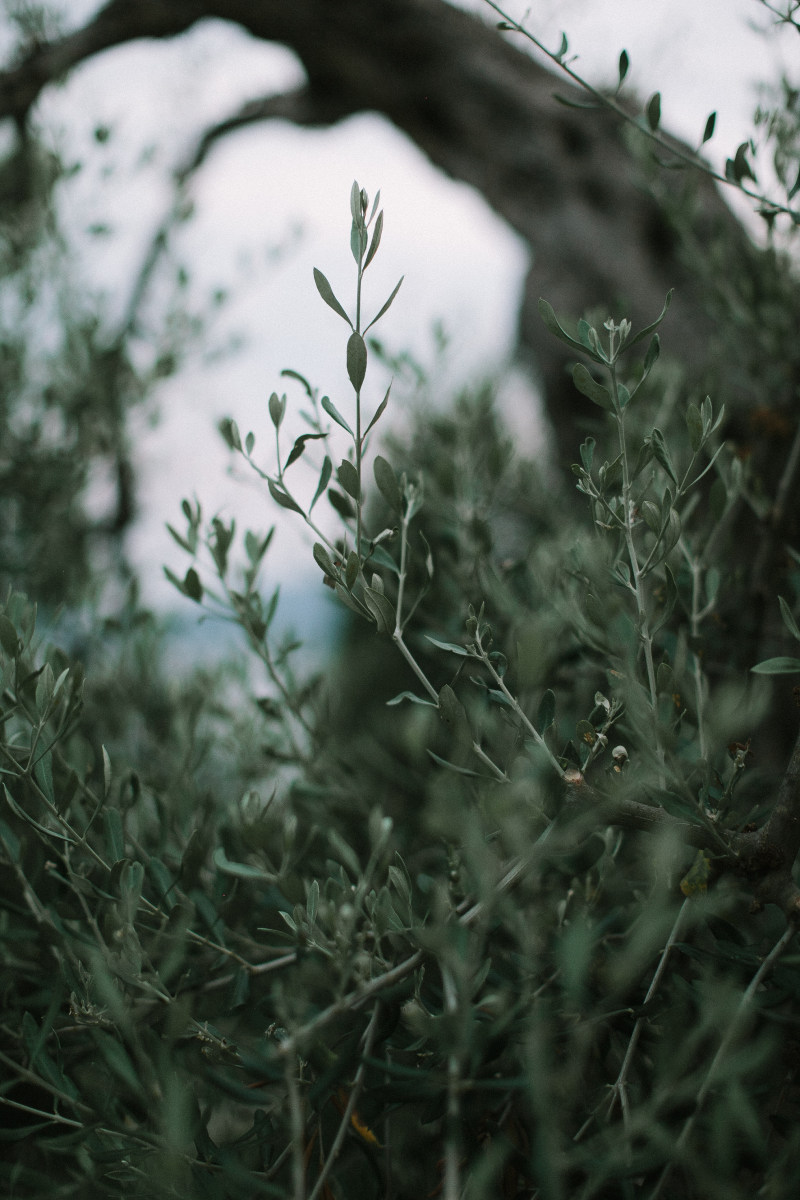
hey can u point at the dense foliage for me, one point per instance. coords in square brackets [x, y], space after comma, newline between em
[529, 932]
[500, 900]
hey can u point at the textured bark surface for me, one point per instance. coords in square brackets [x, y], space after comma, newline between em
[482, 111]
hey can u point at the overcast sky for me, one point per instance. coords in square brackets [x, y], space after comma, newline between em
[274, 188]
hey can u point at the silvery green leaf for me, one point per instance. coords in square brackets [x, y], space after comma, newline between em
[312, 904]
[351, 570]
[378, 412]
[653, 351]
[547, 711]
[451, 710]
[670, 599]
[283, 498]
[358, 241]
[355, 201]
[277, 408]
[112, 823]
[651, 514]
[387, 304]
[356, 360]
[330, 408]
[324, 480]
[587, 452]
[230, 432]
[694, 423]
[376, 240]
[450, 646]
[662, 454]
[655, 324]
[348, 478]
[777, 666]
[326, 291]
[590, 387]
[381, 609]
[551, 321]
[323, 559]
[387, 483]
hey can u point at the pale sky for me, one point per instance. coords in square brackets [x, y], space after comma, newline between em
[273, 185]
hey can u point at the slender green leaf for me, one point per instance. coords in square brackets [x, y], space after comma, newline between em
[653, 111]
[670, 600]
[12, 842]
[341, 503]
[653, 351]
[230, 433]
[115, 838]
[43, 773]
[323, 559]
[240, 870]
[358, 239]
[348, 477]
[449, 766]
[324, 480]
[376, 240]
[356, 360]
[788, 619]
[387, 483]
[590, 387]
[708, 132]
[624, 64]
[282, 497]
[299, 446]
[352, 567]
[288, 373]
[326, 291]
[551, 322]
[450, 646]
[377, 318]
[381, 609]
[378, 412]
[648, 329]
[330, 408]
[192, 587]
[8, 637]
[662, 454]
[277, 409]
[546, 714]
[410, 696]
[587, 452]
[777, 666]
[694, 423]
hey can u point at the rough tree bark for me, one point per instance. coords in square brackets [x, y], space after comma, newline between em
[483, 111]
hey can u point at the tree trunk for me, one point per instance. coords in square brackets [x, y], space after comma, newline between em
[483, 111]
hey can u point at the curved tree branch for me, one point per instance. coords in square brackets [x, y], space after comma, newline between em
[481, 109]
